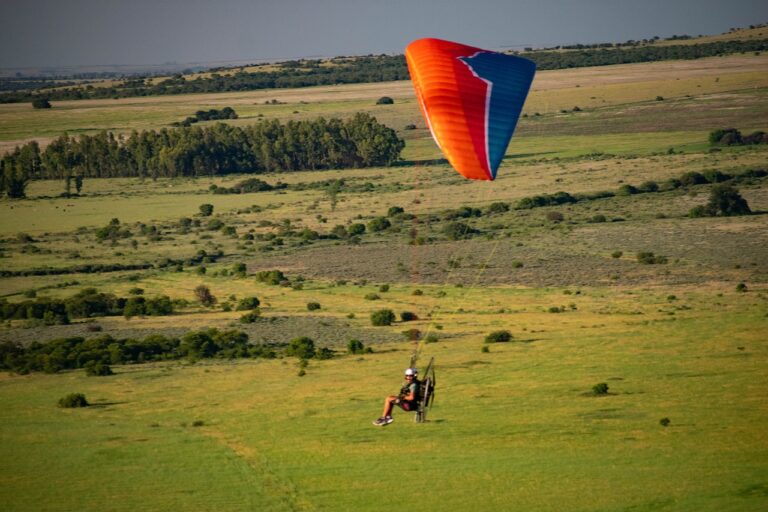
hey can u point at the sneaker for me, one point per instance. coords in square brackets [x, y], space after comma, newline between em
[388, 420]
[381, 422]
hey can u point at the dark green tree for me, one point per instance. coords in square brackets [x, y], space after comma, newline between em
[41, 103]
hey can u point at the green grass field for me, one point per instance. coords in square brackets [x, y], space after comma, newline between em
[514, 428]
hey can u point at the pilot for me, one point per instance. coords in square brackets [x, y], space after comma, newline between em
[406, 399]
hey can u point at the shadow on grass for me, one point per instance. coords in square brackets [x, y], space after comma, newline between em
[417, 163]
[104, 404]
[528, 155]
[443, 161]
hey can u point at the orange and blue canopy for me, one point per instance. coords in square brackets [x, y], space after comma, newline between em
[471, 100]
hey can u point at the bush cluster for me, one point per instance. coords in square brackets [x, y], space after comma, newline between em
[73, 400]
[498, 337]
[382, 317]
[251, 185]
[78, 352]
[733, 137]
[648, 258]
[272, 277]
[724, 200]
[208, 115]
[88, 302]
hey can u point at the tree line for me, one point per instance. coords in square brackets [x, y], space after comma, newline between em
[86, 303]
[360, 141]
[375, 68]
[78, 352]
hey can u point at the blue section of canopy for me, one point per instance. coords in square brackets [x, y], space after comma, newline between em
[509, 79]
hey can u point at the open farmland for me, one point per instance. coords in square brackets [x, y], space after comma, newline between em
[515, 426]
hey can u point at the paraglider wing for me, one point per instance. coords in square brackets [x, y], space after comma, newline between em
[471, 100]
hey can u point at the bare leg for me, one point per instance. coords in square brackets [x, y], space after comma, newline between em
[388, 403]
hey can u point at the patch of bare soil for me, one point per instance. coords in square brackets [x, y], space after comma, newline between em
[744, 109]
[697, 251]
[326, 332]
[646, 72]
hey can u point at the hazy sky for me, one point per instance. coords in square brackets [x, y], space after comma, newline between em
[84, 32]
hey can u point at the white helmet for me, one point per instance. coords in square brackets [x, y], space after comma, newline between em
[411, 371]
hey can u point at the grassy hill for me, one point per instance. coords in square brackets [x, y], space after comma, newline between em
[513, 427]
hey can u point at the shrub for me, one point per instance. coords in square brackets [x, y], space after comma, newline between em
[555, 217]
[251, 317]
[372, 296]
[97, 369]
[725, 137]
[498, 337]
[664, 422]
[407, 316]
[355, 347]
[340, 231]
[648, 186]
[382, 317]
[206, 210]
[600, 389]
[324, 353]
[385, 100]
[498, 207]
[394, 210]
[758, 137]
[626, 190]
[73, 400]
[458, 231]
[273, 277]
[485, 349]
[247, 303]
[412, 334]
[726, 200]
[741, 287]
[313, 306]
[617, 254]
[41, 103]
[597, 218]
[303, 348]
[379, 224]
[356, 229]
[692, 178]
[204, 296]
[214, 225]
[417, 292]
[648, 258]
[384, 288]
[432, 338]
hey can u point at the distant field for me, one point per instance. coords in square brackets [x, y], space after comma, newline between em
[513, 428]
[587, 88]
